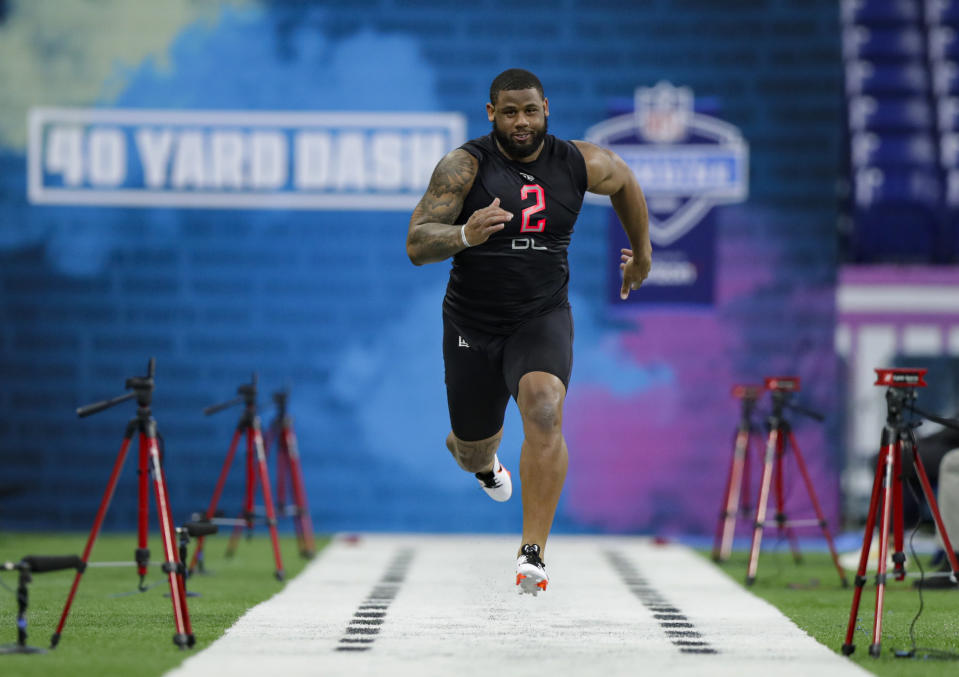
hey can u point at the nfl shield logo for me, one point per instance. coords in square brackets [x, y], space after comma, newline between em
[686, 162]
[663, 112]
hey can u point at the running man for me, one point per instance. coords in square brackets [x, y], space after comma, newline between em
[503, 206]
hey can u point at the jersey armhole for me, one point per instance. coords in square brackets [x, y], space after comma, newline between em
[579, 168]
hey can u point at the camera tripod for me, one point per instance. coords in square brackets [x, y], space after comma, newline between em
[288, 470]
[735, 498]
[249, 425]
[144, 424]
[32, 564]
[780, 431]
[887, 494]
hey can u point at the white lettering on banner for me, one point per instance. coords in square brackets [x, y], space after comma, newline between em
[227, 155]
[268, 160]
[672, 273]
[188, 161]
[107, 155]
[236, 160]
[154, 148]
[64, 154]
[350, 170]
[387, 154]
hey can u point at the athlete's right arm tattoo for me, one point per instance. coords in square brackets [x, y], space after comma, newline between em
[431, 237]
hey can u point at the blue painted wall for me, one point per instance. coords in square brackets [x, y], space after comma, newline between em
[327, 303]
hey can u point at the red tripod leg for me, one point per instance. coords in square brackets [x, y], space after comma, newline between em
[772, 444]
[819, 513]
[860, 581]
[781, 520]
[875, 648]
[308, 548]
[267, 497]
[934, 509]
[249, 513]
[284, 474]
[95, 531]
[171, 563]
[249, 505]
[727, 516]
[221, 480]
[143, 515]
[751, 446]
[898, 555]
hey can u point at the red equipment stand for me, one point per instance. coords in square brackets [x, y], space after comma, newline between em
[780, 432]
[256, 470]
[887, 496]
[735, 498]
[289, 471]
[145, 425]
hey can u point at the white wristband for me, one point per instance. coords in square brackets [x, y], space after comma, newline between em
[463, 236]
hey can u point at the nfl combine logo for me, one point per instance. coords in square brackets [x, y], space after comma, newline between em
[686, 162]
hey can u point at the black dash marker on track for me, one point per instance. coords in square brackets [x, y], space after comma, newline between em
[669, 617]
[371, 613]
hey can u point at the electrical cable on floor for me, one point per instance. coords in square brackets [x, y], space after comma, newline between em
[914, 652]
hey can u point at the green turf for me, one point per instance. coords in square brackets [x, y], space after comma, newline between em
[112, 633]
[810, 593]
[109, 633]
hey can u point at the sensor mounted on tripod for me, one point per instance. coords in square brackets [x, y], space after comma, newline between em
[789, 384]
[747, 392]
[903, 377]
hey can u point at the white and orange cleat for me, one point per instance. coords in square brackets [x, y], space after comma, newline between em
[497, 483]
[530, 571]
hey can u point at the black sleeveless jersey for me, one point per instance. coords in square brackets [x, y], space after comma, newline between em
[521, 271]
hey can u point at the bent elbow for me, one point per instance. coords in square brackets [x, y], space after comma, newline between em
[414, 255]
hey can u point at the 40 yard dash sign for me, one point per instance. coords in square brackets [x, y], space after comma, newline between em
[235, 159]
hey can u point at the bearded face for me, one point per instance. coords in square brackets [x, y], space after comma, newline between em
[520, 121]
[522, 143]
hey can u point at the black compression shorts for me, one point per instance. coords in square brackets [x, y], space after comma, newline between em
[483, 370]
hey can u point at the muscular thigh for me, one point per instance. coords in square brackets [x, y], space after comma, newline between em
[542, 344]
[475, 390]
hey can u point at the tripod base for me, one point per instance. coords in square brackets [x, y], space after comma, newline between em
[20, 648]
[184, 641]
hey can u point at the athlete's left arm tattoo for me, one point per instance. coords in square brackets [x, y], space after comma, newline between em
[430, 237]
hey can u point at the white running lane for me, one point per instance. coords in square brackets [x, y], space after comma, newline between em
[418, 606]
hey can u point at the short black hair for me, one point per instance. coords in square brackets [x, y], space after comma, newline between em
[512, 79]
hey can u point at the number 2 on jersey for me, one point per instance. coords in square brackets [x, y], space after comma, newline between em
[540, 205]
